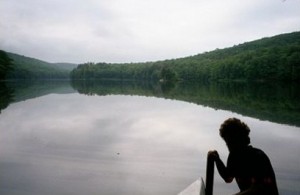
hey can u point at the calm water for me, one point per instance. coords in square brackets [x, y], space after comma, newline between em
[131, 139]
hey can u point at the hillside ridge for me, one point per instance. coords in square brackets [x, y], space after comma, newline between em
[272, 58]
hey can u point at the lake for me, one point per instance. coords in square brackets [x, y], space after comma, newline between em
[133, 138]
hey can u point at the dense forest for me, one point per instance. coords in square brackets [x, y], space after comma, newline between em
[30, 68]
[274, 58]
[268, 59]
[5, 64]
[15, 67]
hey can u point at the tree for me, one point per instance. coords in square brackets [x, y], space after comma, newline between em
[5, 64]
[167, 74]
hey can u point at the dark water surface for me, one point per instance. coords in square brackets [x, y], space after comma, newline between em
[128, 138]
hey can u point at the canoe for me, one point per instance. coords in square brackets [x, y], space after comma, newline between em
[196, 188]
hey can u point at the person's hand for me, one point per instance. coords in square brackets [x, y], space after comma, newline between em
[213, 154]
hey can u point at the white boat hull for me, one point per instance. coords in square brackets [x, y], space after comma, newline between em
[196, 188]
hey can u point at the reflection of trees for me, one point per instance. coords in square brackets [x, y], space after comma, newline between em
[27, 89]
[15, 91]
[277, 102]
[105, 87]
[6, 96]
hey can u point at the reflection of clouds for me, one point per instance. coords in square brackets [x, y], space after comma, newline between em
[76, 141]
[274, 139]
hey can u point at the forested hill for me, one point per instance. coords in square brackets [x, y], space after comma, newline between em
[30, 68]
[273, 58]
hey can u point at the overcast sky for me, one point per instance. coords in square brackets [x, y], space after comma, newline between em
[137, 30]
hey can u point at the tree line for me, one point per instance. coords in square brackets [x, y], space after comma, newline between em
[17, 67]
[5, 64]
[275, 58]
[31, 69]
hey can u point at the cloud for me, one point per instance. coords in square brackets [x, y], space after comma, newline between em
[137, 30]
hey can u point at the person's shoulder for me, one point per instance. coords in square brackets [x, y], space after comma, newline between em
[258, 152]
[253, 149]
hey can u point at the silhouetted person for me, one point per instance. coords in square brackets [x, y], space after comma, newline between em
[249, 166]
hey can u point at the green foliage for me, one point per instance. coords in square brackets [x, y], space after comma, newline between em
[5, 64]
[90, 71]
[275, 58]
[167, 74]
[30, 68]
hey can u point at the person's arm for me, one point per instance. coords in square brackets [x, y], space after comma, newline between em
[222, 169]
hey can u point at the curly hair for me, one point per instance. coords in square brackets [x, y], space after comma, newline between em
[234, 129]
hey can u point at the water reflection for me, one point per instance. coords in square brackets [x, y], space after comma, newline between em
[277, 102]
[61, 142]
[76, 144]
[104, 145]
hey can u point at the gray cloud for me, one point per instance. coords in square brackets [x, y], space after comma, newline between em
[135, 30]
